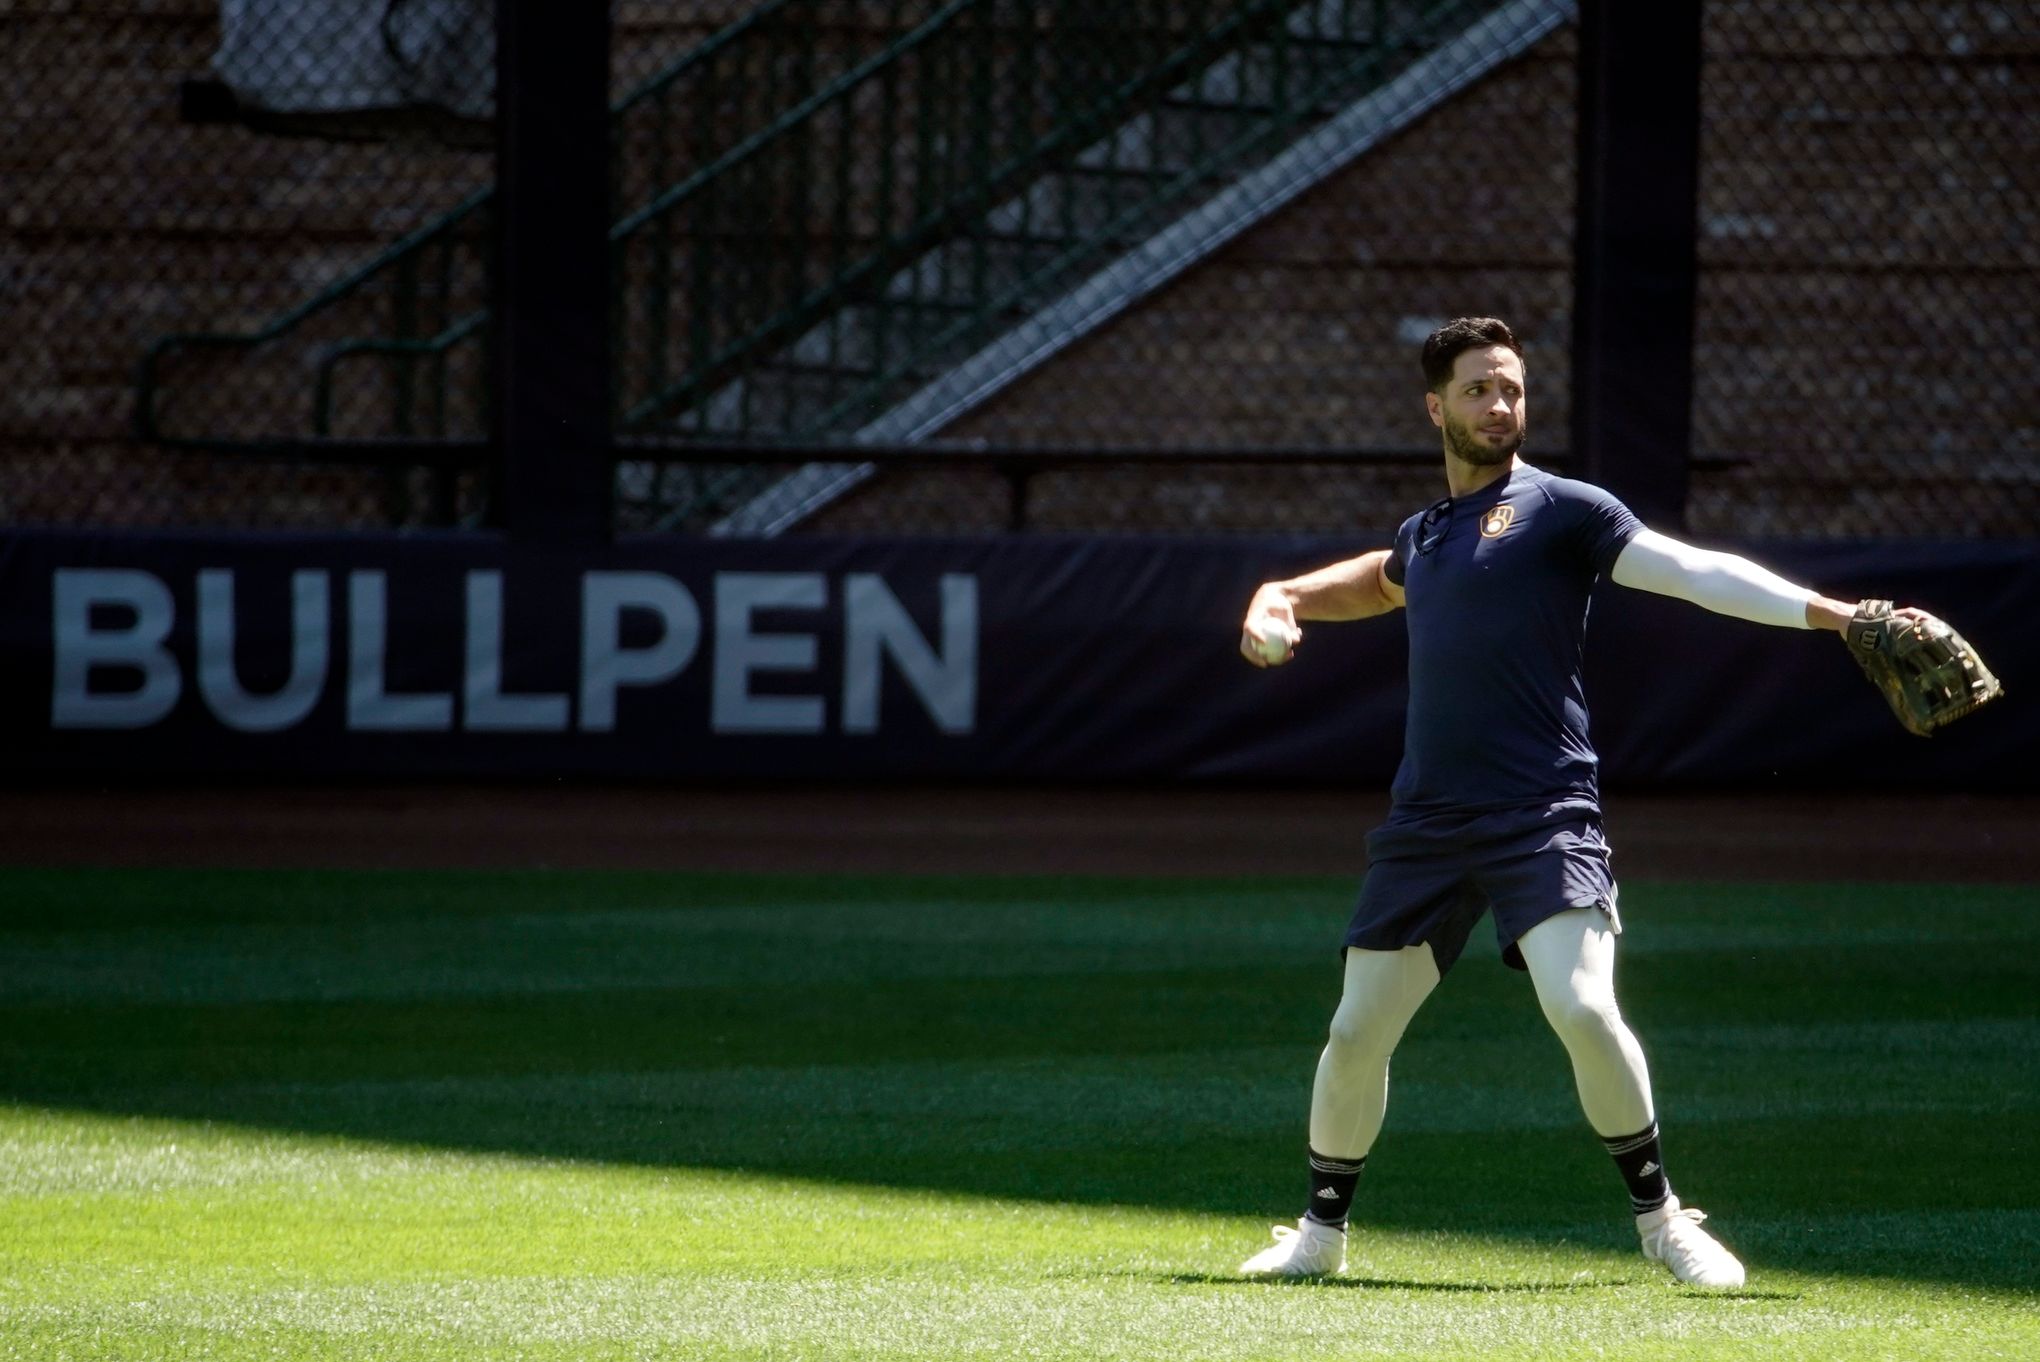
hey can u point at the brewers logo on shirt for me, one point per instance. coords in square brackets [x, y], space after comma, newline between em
[1495, 521]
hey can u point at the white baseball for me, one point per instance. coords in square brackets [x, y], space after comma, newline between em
[1276, 642]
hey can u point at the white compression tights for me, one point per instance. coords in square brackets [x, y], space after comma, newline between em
[1383, 991]
[1572, 963]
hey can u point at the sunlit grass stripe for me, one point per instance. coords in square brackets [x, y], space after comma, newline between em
[973, 1120]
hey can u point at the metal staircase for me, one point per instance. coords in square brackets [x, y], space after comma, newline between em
[854, 235]
[1246, 136]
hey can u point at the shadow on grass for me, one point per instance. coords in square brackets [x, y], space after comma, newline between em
[1353, 1283]
[1118, 1074]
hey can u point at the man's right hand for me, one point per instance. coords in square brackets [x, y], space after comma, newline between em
[1270, 634]
[1349, 590]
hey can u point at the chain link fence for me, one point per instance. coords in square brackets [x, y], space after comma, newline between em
[184, 176]
[1099, 233]
[1870, 246]
[1154, 266]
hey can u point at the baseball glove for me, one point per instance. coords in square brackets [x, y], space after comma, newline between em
[1927, 672]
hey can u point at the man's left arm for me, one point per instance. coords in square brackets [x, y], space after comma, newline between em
[1927, 672]
[1724, 583]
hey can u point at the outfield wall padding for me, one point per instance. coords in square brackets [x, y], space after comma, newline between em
[1020, 658]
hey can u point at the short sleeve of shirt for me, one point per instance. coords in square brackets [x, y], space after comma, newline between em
[1398, 557]
[1604, 526]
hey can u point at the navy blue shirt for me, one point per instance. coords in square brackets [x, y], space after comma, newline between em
[1497, 585]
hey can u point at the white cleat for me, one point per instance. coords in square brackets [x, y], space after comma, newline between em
[1309, 1250]
[1672, 1236]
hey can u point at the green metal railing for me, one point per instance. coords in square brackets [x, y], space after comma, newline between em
[812, 219]
[960, 241]
[972, 105]
[186, 398]
[394, 282]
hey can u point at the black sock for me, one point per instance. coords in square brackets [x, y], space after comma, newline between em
[1642, 1164]
[1331, 1188]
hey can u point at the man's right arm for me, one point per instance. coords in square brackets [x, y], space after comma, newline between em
[1354, 589]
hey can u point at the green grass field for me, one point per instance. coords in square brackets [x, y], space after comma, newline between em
[577, 1116]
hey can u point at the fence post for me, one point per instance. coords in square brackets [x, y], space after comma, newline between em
[551, 296]
[1635, 251]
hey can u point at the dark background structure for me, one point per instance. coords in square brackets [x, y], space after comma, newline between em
[891, 390]
[1771, 262]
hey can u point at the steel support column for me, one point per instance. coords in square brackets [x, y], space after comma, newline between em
[551, 343]
[1636, 255]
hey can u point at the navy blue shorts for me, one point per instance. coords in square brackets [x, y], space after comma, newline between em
[1424, 885]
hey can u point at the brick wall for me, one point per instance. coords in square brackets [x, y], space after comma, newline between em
[124, 224]
[1303, 333]
[1870, 249]
[1869, 254]
[1868, 237]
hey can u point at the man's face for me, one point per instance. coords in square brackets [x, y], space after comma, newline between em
[1483, 409]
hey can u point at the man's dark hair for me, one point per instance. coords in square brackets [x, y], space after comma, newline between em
[1445, 345]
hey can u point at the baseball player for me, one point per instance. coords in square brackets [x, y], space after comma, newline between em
[1495, 806]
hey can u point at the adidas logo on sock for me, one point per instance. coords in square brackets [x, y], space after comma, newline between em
[1328, 1194]
[1648, 1169]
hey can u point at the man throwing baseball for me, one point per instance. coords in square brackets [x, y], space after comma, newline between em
[1495, 806]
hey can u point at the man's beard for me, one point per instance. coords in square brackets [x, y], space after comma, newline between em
[1470, 447]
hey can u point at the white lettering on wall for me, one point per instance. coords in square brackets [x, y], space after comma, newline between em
[877, 626]
[739, 652]
[606, 665]
[121, 661]
[370, 705]
[220, 682]
[135, 645]
[485, 706]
